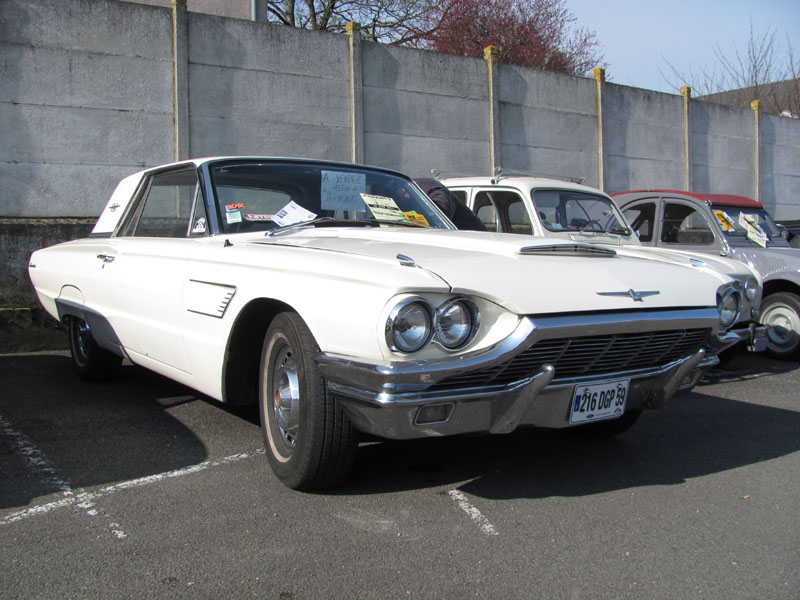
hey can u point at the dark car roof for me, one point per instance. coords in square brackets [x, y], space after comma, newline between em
[712, 199]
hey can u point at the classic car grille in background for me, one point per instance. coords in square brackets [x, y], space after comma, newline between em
[588, 356]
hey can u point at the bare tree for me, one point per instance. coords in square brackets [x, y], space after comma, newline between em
[387, 21]
[762, 71]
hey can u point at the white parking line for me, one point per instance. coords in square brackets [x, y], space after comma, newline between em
[50, 478]
[474, 514]
[85, 500]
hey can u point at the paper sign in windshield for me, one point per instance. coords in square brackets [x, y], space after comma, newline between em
[415, 217]
[725, 220]
[384, 208]
[754, 232]
[342, 191]
[292, 213]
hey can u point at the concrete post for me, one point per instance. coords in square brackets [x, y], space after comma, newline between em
[600, 79]
[356, 93]
[756, 106]
[491, 55]
[258, 10]
[686, 92]
[180, 79]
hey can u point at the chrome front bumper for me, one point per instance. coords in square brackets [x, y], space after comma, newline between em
[401, 401]
[754, 335]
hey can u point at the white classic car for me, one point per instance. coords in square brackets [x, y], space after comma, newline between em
[341, 300]
[570, 211]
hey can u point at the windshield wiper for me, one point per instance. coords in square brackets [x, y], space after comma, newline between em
[620, 230]
[332, 222]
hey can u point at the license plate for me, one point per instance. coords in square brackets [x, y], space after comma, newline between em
[599, 401]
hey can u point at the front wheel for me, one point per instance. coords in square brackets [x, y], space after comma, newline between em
[92, 362]
[310, 442]
[781, 312]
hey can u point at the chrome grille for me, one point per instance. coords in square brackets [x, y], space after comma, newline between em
[588, 357]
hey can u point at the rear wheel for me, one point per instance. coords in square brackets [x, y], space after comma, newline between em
[310, 442]
[781, 312]
[92, 362]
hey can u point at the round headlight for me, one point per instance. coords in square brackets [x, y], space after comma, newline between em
[729, 305]
[454, 324]
[750, 289]
[409, 326]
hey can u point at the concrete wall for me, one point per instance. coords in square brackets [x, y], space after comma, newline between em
[89, 90]
[85, 99]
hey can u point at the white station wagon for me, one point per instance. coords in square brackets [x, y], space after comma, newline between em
[341, 300]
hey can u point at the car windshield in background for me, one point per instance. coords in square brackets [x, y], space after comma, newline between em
[754, 225]
[566, 210]
[254, 196]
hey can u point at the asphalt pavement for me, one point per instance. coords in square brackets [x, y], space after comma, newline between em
[141, 488]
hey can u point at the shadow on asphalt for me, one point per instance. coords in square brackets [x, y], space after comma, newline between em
[105, 433]
[84, 434]
[695, 435]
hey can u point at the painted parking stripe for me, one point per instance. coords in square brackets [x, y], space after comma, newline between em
[86, 498]
[477, 516]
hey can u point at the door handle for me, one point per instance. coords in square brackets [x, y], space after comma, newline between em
[106, 258]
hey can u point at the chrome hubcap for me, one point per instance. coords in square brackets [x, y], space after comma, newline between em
[784, 330]
[286, 397]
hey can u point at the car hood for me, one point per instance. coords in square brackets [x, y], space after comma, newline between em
[539, 279]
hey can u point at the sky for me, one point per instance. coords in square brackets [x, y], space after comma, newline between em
[640, 39]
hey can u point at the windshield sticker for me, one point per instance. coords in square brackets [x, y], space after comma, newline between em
[754, 232]
[342, 191]
[251, 217]
[725, 220]
[384, 208]
[237, 205]
[233, 216]
[415, 217]
[199, 225]
[292, 213]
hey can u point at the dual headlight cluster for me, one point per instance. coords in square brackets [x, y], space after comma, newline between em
[414, 323]
[729, 301]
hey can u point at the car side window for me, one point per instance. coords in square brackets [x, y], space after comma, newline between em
[683, 224]
[485, 210]
[642, 218]
[165, 210]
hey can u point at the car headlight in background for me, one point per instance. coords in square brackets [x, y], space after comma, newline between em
[751, 289]
[413, 323]
[729, 303]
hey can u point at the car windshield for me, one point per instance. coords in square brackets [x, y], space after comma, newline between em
[754, 226]
[568, 210]
[259, 195]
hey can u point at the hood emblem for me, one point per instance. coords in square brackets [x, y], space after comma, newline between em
[637, 296]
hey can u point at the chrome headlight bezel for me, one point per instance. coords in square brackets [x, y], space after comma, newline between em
[472, 316]
[751, 287]
[729, 305]
[436, 327]
[396, 320]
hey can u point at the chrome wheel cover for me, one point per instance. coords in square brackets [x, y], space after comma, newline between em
[784, 327]
[285, 395]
